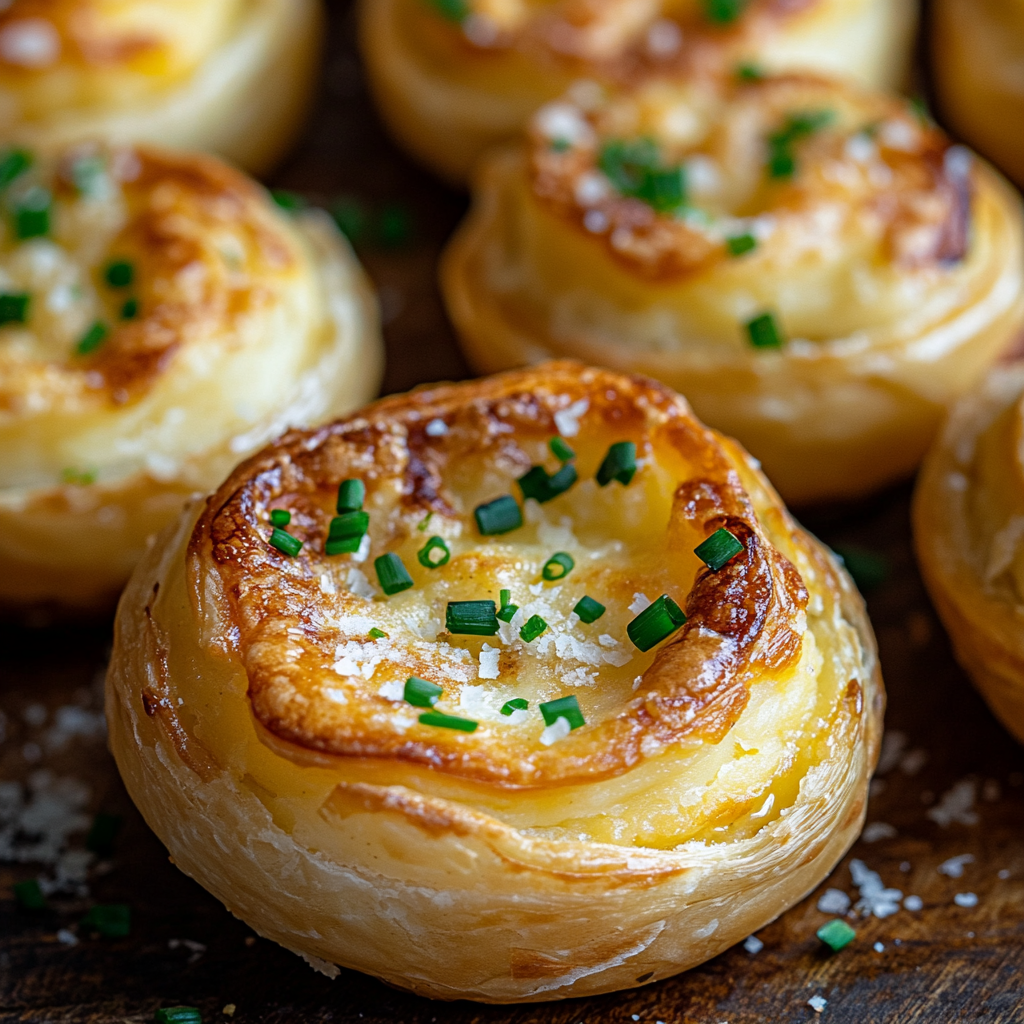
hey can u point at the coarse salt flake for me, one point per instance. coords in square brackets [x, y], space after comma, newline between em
[557, 730]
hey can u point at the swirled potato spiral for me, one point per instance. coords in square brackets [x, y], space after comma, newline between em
[449, 701]
[819, 270]
[969, 535]
[978, 69]
[453, 77]
[231, 76]
[160, 318]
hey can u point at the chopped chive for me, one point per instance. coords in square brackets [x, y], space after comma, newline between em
[111, 920]
[542, 487]
[288, 200]
[558, 566]
[781, 159]
[533, 628]
[504, 597]
[560, 145]
[561, 450]
[740, 244]
[749, 72]
[655, 623]
[424, 522]
[79, 477]
[130, 309]
[422, 693]
[563, 707]
[471, 618]
[589, 610]
[178, 1015]
[443, 721]
[13, 162]
[394, 225]
[868, 569]
[836, 934]
[32, 214]
[285, 542]
[377, 634]
[634, 168]
[453, 10]
[102, 834]
[919, 108]
[721, 547]
[619, 464]
[721, 12]
[13, 307]
[498, 516]
[764, 332]
[280, 517]
[345, 533]
[515, 704]
[392, 574]
[119, 274]
[508, 612]
[351, 495]
[92, 339]
[29, 895]
[434, 553]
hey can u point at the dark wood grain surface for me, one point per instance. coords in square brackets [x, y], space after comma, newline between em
[948, 962]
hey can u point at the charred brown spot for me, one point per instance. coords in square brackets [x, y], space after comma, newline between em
[150, 704]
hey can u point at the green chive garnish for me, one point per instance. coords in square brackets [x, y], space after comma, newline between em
[345, 534]
[111, 920]
[748, 72]
[721, 12]
[515, 704]
[498, 516]
[32, 214]
[563, 707]
[561, 450]
[29, 895]
[781, 159]
[102, 833]
[836, 934]
[619, 464]
[288, 200]
[392, 574]
[721, 547]
[740, 244]
[351, 495]
[92, 339]
[655, 623]
[505, 596]
[634, 168]
[280, 517]
[285, 542]
[764, 332]
[394, 225]
[79, 477]
[434, 553]
[377, 634]
[421, 692]
[424, 522]
[507, 610]
[178, 1015]
[12, 163]
[13, 307]
[130, 309]
[558, 566]
[443, 721]
[452, 10]
[119, 274]
[589, 610]
[533, 628]
[540, 486]
[471, 618]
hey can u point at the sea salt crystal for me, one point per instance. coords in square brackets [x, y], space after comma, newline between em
[392, 690]
[817, 1003]
[66, 938]
[30, 43]
[955, 805]
[359, 585]
[436, 428]
[563, 121]
[557, 730]
[752, 944]
[913, 903]
[567, 421]
[878, 947]
[954, 867]
[1003, 875]
[639, 603]
[878, 830]
[664, 38]
[965, 899]
[834, 901]
[875, 898]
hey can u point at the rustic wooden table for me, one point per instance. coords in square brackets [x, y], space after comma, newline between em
[951, 784]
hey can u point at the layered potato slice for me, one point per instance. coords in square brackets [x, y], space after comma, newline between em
[454, 77]
[818, 269]
[978, 70]
[160, 318]
[475, 750]
[231, 76]
[969, 536]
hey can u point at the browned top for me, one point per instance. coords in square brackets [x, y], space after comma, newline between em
[877, 179]
[302, 633]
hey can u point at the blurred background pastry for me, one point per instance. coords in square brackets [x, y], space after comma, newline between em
[817, 268]
[978, 69]
[452, 77]
[969, 537]
[494, 653]
[230, 76]
[160, 318]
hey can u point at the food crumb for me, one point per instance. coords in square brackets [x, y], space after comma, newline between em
[229, 1010]
[817, 1003]
[250, 940]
